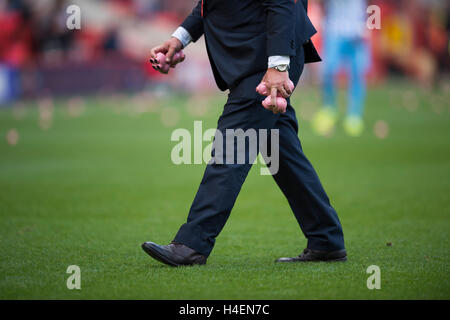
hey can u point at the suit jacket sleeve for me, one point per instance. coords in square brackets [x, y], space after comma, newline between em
[194, 22]
[280, 19]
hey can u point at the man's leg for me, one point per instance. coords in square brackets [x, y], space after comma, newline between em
[221, 183]
[325, 119]
[300, 184]
[331, 65]
[359, 59]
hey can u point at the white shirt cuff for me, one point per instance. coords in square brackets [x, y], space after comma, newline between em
[183, 35]
[278, 60]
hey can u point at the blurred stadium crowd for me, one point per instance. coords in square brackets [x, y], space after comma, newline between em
[40, 56]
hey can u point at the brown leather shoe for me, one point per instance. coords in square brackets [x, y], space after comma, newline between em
[174, 254]
[309, 255]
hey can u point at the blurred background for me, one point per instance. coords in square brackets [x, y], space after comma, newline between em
[85, 145]
[40, 56]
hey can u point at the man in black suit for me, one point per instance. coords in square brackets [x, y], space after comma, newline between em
[249, 41]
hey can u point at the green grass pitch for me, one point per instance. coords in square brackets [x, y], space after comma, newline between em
[92, 187]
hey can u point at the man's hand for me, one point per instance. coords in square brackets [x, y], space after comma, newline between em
[277, 81]
[169, 48]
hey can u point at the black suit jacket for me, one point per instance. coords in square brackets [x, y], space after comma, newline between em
[240, 35]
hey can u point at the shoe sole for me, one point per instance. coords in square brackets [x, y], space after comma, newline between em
[331, 260]
[157, 256]
[337, 260]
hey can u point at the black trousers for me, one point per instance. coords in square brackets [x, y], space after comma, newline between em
[295, 176]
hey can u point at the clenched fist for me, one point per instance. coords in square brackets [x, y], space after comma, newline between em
[276, 83]
[169, 48]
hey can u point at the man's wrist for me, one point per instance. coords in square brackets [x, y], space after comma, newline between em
[282, 68]
[183, 36]
[278, 61]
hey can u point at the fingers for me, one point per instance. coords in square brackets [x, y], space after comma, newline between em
[288, 88]
[284, 92]
[279, 88]
[155, 50]
[273, 97]
[170, 53]
[173, 65]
